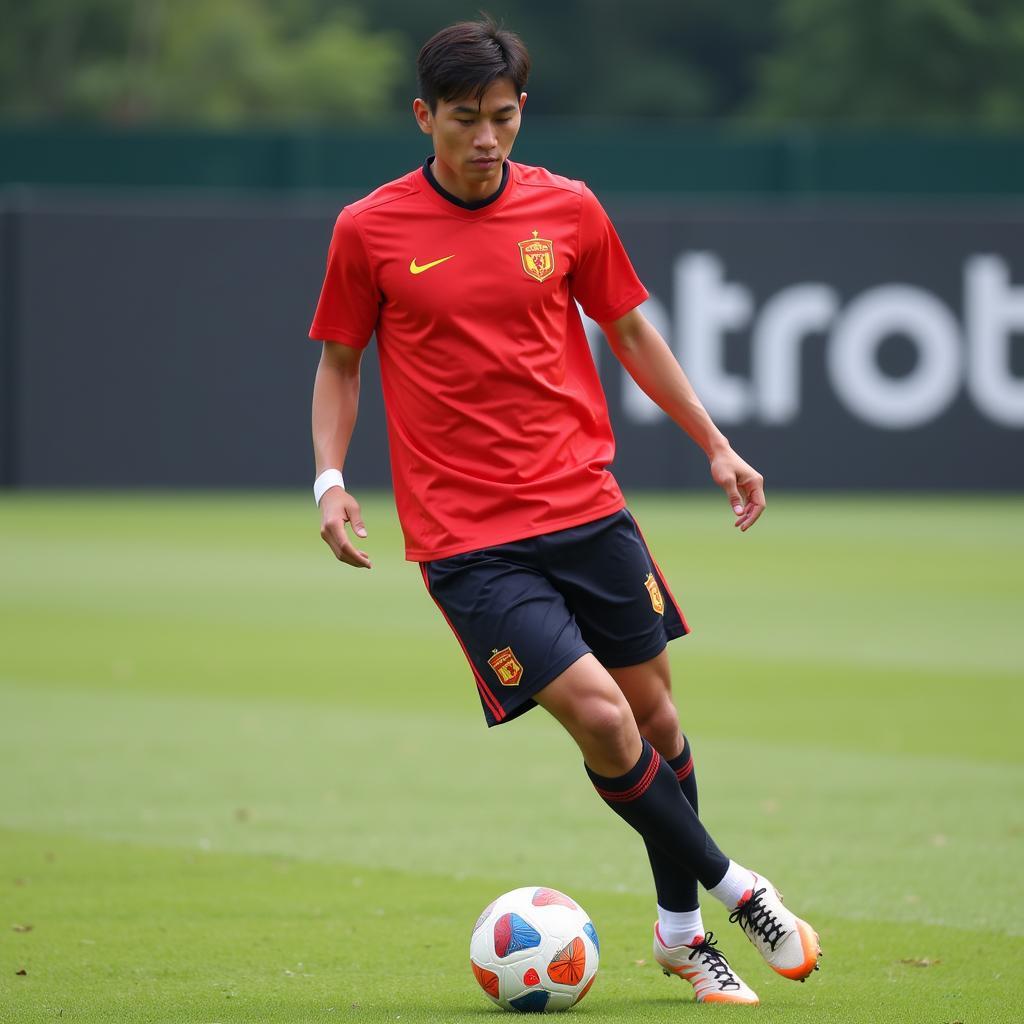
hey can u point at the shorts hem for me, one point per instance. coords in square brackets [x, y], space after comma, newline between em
[638, 657]
[525, 698]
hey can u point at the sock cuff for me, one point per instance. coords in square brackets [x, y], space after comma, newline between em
[734, 885]
[634, 783]
[682, 763]
[679, 928]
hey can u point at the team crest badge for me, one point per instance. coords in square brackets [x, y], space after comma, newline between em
[657, 601]
[506, 667]
[538, 255]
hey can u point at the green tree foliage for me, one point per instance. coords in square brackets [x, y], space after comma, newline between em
[196, 61]
[892, 62]
[865, 62]
[606, 58]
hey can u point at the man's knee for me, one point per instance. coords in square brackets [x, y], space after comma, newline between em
[588, 703]
[607, 719]
[606, 733]
[659, 725]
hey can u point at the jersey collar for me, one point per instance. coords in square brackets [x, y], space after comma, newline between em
[459, 206]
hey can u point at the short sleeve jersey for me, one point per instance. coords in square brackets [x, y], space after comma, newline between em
[497, 424]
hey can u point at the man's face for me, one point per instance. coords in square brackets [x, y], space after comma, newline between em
[473, 138]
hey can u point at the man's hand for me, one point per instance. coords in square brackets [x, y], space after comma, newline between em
[743, 485]
[338, 507]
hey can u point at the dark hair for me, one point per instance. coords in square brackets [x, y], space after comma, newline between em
[466, 58]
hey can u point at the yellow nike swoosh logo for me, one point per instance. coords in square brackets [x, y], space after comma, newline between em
[414, 269]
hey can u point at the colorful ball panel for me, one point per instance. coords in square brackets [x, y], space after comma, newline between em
[586, 989]
[483, 917]
[532, 1002]
[569, 963]
[511, 934]
[488, 980]
[544, 897]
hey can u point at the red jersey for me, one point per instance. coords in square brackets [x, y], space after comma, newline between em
[497, 423]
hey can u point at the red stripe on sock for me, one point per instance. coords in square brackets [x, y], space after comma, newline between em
[489, 699]
[639, 789]
[686, 771]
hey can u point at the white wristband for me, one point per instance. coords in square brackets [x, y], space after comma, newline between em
[325, 481]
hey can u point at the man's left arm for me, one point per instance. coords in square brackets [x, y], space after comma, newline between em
[651, 363]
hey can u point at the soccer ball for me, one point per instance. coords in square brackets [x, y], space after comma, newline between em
[534, 950]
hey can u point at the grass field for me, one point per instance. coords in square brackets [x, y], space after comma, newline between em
[242, 783]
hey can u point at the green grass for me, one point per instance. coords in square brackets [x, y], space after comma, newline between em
[243, 783]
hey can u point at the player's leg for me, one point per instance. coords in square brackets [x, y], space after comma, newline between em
[637, 783]
[627, 615]
[627, 772]
[648, 690]
[681, 944]
[789, 944]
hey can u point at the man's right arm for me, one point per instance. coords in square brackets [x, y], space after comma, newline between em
[335, 405]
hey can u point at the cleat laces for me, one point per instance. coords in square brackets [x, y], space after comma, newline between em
[715, 962]
[754, 917]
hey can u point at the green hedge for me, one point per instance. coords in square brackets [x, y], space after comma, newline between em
[633, 159]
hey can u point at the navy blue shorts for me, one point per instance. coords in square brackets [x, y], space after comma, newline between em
[525, 611]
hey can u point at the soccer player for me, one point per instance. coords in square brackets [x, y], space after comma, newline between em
[468, 271]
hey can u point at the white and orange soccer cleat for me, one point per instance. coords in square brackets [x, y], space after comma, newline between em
[705, 968]
[790, 946]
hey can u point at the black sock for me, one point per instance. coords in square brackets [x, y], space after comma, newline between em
[683, 767]
[648, 797]
[676, 887]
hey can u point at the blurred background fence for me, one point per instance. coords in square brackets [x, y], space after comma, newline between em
[614, 156]
[824, 199]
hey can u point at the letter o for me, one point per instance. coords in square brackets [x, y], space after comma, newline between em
[896, 403]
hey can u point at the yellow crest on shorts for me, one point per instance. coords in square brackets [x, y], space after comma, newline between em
[506, 667]
[538, 255]
[657, 601]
